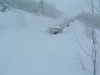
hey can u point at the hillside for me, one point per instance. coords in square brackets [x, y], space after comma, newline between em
[26, 48]
[31, 6]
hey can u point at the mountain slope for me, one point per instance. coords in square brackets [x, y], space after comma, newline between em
[29, 50]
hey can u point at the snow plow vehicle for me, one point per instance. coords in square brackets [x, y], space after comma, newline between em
[55, 29]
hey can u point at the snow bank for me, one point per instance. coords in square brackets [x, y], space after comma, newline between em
[11, 20]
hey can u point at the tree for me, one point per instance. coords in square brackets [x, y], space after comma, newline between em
[4, 5]
[94, 42]
[94, 53]
[95, 46]
[41, 6]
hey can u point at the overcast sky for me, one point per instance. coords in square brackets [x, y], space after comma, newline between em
[70, 7]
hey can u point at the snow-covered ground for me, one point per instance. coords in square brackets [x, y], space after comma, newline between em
[26, 48]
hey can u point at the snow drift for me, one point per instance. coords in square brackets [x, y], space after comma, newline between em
[31, 51]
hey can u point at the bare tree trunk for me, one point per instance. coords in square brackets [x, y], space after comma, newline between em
[95, 47]
[94, 51]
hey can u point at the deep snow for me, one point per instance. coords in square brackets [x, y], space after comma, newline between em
[26, 48]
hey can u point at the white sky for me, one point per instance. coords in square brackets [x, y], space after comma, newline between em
[70, 7]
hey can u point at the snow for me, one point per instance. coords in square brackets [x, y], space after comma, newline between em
[26, 48]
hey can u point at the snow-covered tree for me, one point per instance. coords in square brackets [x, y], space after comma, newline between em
[41, 6]
[32, 7]
[3, 5]
[92, 19]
